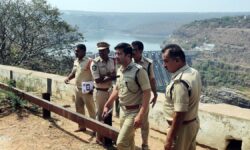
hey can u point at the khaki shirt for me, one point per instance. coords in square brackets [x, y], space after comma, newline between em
[181, 101]
[128, 90]
[82, 71]
[144, 62]
[100, 68]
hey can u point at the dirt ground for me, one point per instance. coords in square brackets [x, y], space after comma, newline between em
[27, 130]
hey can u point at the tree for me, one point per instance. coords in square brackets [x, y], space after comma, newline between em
[32, 31]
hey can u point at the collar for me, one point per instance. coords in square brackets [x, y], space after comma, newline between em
[102, 59]
[84, 58]
[130, 65]
[141, 61]
[182, 69]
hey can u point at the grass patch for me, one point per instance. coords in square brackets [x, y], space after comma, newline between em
[14, 101]
[245, 91]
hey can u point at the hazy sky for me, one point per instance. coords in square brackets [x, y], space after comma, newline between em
[153, 5]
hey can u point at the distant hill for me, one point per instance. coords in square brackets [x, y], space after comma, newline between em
[223, 47]
[140, 24]
[229, 35]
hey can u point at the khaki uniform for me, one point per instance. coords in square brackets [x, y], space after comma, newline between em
[147, 64]
[130, 94]
[117, 105]
[183, 102]
[82, 73]
[100, 68]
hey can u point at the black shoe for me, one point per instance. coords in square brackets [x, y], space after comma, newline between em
[81, 130]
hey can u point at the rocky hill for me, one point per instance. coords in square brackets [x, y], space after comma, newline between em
[223, 47]
[229, 35]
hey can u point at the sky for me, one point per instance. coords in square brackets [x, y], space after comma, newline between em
[153, 5]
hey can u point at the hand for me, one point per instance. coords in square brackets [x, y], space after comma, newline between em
[168, 145]
[153, 101]
[91, 92]
[113, 77]
[105, 111]
[137, 122]
[66, 81]
[113, 73]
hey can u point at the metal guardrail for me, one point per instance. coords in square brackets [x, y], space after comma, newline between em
[90, 123]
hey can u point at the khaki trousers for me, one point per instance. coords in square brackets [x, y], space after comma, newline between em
[145, 128]
[84, 99]
[186, 136]
[101, 97]
[125, 140]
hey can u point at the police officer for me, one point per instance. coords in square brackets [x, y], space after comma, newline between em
[103, 71]
[81, 73]
[147, 64]
[133, 89]
[182, 100]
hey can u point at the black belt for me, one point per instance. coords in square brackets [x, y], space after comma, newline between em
[102, 89]
[184, 122]
[131, 107]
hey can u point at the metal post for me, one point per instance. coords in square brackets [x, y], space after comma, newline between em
[49, 83]
[46, 96]
[117, 108]
[12, 81]
[46, 113]
[11, 75]
[108, 120]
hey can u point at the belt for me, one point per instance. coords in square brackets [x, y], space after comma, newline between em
[184, 122]
[131, 107]
[102, 89]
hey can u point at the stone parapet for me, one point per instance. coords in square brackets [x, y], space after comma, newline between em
[35, 81]
[220, 123]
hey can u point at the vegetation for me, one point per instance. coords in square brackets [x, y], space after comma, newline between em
[215, 30]
[223, 22]
[33, 35]
[220, 74]
[15, 102]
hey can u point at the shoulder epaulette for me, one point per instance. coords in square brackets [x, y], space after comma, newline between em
[97, 59]
[148, 60]
[179, 79]
[149, 64]
[138, 66]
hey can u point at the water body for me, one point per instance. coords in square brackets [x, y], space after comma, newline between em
[151, 43]
[150, 28]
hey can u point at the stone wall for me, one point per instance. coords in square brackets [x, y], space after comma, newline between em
[220, 123]
[34, 81]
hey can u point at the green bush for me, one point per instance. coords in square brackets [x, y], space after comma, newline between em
[221, 74]
[15, 101]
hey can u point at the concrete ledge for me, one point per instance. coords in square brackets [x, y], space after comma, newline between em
[220, 123]
[30, 80]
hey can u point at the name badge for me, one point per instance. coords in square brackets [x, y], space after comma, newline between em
[87, 86]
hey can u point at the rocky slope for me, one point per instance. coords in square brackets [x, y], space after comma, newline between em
[230, 36]
[223, 56]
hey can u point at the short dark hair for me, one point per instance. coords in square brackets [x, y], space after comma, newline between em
[81, 47]
[127, 49]
[139, 44]
[174, 51]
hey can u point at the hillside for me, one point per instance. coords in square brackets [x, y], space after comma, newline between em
[230, 36]
[99, 24]
[223, 47]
